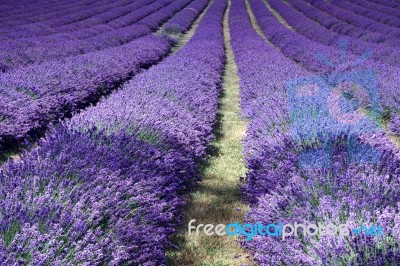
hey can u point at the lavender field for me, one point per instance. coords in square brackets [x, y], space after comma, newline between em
[122, 121]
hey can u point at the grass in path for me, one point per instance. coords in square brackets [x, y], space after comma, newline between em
[7, 155]
[278, 16]
[218, 198]
[255, 25]
[182, 39]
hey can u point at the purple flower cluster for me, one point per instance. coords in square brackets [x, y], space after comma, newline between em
[107, 186]
[182, 21]
[395, 125]
[278, 189]
[90, 200]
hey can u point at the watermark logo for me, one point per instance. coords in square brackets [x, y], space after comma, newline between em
[249, 231]
[341, 105]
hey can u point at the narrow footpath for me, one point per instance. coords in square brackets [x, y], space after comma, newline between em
[217, 200]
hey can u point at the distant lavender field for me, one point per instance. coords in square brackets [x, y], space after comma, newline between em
[117, 117]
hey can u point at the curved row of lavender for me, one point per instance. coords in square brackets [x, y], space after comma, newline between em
[380, 8]
[107, 186]
[383, 18]
[182, 21]
[278, 189]
[388, 3]
[341, 27]
[354, 19]
[306, 27]
[305, 51]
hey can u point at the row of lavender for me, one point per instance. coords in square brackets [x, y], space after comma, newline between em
[34, 95]
[106, 187]
[304, 50]
[279, 189]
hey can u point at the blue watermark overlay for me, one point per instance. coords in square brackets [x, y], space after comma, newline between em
[341, 105]
[283, 231]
